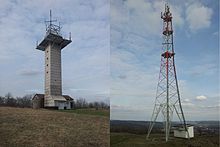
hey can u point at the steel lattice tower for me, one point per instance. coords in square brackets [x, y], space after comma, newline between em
[167, 96]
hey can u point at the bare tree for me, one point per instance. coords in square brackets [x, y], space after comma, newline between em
[82, 103]
[8, 95]
[25, 101]
[10, 101]
[96, 105]
[2, 101]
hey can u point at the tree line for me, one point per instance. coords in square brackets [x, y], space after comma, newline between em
[9, 100]
[26, 102]
[82, 103]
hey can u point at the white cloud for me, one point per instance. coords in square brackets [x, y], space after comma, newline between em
[215, 33]
[188, 104]
[201, 69]
[201, 97]
[178, 19]
[138, 17]
[129, 78]
[186, 100]
[30, 72]
[198, 16]
[31, 91]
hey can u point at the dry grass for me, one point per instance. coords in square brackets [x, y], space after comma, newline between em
[158, 140]
[45, 128]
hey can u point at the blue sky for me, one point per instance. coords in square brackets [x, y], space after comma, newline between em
[135, 57]
[85, 62]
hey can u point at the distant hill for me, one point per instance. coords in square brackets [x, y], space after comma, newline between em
[141, 127]
[136, 127]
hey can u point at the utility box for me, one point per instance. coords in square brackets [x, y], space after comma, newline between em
[182, 133]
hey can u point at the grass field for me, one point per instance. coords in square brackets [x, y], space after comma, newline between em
[99, 112]
[23, 127]
[157, 140]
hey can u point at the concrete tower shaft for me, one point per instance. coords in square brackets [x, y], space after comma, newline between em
[53, 80]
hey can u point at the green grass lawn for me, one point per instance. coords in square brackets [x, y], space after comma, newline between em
[158, 140]
[88, 111]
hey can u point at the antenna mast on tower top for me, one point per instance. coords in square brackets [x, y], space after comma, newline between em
[53, 34]
[52, 28]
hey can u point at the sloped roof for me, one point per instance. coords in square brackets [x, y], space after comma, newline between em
[38, 95]
[41, 96]
[67, 97]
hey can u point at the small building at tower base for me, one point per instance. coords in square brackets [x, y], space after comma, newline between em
[180, 132]
[59, 102]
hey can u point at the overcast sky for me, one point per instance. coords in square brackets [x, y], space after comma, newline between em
[85, 62]
[129, 68]
[135, 57]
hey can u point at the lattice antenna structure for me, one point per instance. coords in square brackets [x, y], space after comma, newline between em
[52, 28]
[167, 96]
